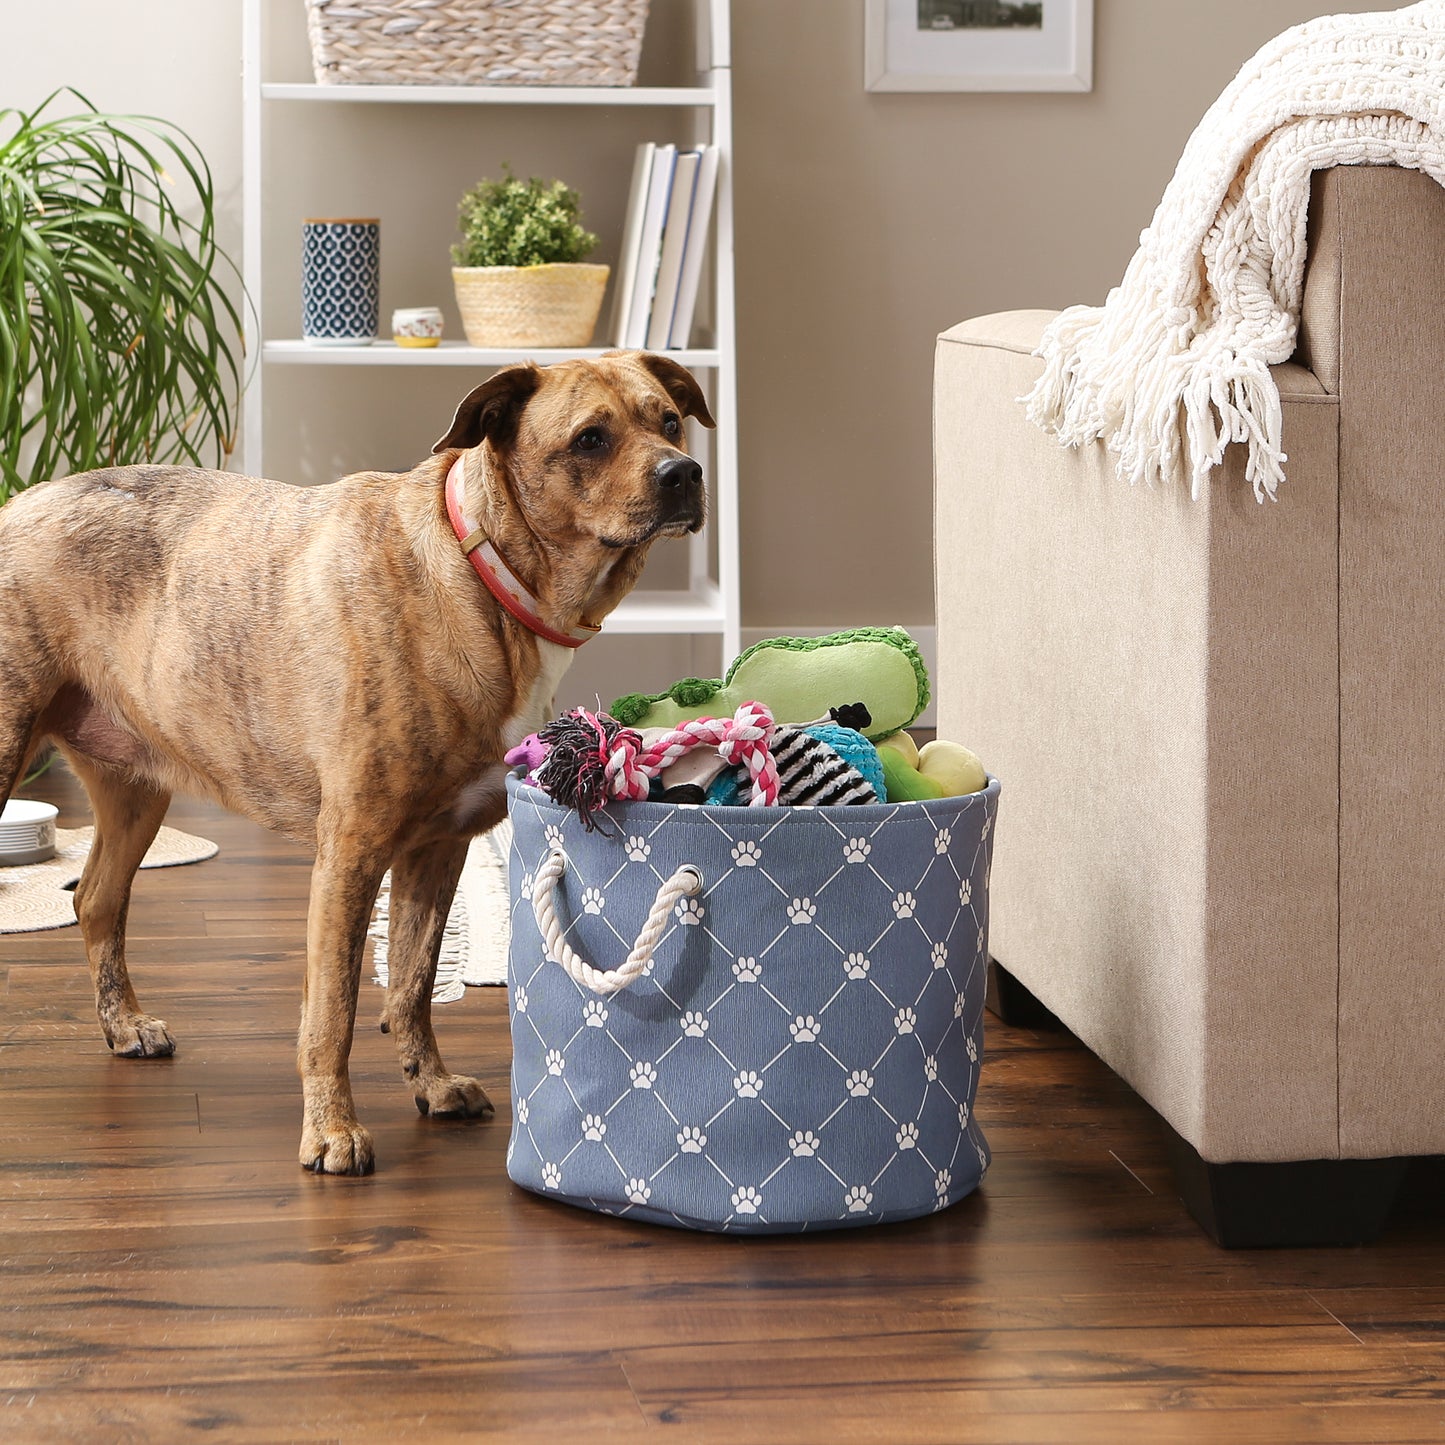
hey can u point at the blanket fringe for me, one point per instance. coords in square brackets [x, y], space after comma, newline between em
[1175, 366]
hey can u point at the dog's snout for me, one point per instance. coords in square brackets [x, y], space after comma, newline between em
[678, 474]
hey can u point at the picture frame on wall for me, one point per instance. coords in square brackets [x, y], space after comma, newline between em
[923, 45]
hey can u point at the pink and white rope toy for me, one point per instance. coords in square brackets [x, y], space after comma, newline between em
[585, 759]
[742, 740]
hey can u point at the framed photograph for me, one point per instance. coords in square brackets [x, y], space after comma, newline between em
[979, 44]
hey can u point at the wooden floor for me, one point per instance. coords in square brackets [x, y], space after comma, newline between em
[166, 1269]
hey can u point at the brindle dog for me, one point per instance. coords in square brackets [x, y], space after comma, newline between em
[327, 662]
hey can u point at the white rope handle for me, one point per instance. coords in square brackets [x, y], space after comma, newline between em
[685, 882]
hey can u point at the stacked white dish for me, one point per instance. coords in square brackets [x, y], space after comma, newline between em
[27, 832]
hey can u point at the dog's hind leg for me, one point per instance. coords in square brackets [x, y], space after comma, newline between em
[128, 815]
[17, 723]
[423, 881]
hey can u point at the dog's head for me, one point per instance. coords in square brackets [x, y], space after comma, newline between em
[591, 450]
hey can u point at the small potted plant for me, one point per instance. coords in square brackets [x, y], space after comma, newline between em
[519, 271]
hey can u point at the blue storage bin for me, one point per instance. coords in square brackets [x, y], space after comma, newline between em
[799, 1046]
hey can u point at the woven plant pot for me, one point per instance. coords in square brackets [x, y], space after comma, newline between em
[476, 42]
[553, 305]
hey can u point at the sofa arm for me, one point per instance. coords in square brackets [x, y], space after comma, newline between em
[1164, 879]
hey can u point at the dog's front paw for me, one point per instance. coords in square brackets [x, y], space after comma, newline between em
[454, 1096]
[338, 1149]
[139, 1036]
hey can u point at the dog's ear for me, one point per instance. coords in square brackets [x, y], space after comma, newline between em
[490, 411]
[680, 384]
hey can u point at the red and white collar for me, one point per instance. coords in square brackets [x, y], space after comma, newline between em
[502, 582]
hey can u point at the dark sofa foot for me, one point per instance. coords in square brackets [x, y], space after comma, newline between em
[1006, 998]
[1308, 1202]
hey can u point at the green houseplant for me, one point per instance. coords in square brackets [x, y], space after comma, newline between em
[519, 271]
[119, 343]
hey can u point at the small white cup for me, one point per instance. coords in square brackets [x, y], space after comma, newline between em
[417, 326]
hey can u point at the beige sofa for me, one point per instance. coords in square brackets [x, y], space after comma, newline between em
[1220, 728]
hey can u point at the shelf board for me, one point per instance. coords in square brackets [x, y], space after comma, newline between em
[294, 352]
[653, 610]
[653, 95]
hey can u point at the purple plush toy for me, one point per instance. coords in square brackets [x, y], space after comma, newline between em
[530, 753]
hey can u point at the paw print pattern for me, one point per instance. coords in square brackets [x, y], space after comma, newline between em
[524, 1111]
[907, 1136]
[942, 1183]
[856, 850]
[551, 1177]
[958, 1005]
[965, 892]
[592, 900]
[930, 1068]
[691, 1140]
[804, 1144]
[903, 904]
[639, 850]
[940, 955]
[802, 910]
[694, 1025]
[905, 1020]
[639, 1191]
[982, 1156]
[689, 911]
[594, 1014]
[593, 1127]
[860, 1084]
[553, 835]
[747, 854]
[971, 1044]
[804, 1029]
[856, 965]
[644, 1076]
[747, 970]
[858, 1199]
[527, 881]
[519, 999]
[963, 1115]
[555, 1062]
[746, 1200]
[941, 841]
[748, 1085]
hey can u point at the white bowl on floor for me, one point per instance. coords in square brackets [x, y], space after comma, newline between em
[27, 832]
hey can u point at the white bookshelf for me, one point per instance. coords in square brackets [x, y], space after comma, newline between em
[710, 605]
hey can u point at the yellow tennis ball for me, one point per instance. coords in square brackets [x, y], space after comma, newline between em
[952, 765]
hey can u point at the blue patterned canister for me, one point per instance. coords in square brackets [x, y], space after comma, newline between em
[793, 1043]
[340, 281]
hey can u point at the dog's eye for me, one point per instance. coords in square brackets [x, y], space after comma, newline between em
[671, 426]
[592, 439]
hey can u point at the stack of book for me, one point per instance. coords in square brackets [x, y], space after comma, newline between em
[663, 243]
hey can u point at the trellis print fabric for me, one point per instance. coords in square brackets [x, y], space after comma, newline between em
[803, 1049]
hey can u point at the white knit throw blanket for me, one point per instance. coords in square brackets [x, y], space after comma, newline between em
[1175, 365]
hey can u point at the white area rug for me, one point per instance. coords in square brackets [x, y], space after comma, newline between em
[474, 947]
[36, 896]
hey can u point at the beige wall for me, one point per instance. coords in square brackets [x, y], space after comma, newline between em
[865, 225]
[868, 223]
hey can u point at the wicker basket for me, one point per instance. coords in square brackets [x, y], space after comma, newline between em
[553, 305]
[476, 42]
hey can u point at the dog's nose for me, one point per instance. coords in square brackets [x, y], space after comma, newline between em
[678, 474]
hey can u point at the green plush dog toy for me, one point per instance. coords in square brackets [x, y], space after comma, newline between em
[799, 679]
